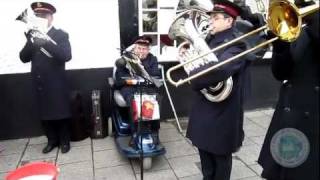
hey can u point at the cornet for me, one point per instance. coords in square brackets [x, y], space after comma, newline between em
[284, 20]
[35, 31]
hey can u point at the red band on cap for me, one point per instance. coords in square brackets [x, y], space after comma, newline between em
[227, 9]
[42, 10]
[142, 41]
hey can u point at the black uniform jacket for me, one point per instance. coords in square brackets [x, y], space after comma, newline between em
[150, 64]
[217, 126]
[49, 76]
[297, 107]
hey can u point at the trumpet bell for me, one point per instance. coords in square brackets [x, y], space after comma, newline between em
[23, 16]
[284, 20]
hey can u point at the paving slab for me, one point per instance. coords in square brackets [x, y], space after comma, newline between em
[253, 114]
[84, 142]
[241, 171]
[253, 178]
[48, 160]
[3, 175]
[80, 170]
[257, 139]
[247, 141]
[185, 166]
[34, 152]
[109, 158]
[106, 143]
[168, 125]
[254, 130]
[249, 154]
[123, 172]
[38, 140]
[263, 121]
[194, 177]
[256, 168]
[178, 148]
[167, 135]
[16, 146]
[268, 111]
[158, 175]
[76, 154]
[9, 162]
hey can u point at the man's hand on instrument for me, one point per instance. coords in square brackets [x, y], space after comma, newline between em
[28, 35]
[39, 41]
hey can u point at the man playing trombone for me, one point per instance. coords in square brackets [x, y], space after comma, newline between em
[48, 49]
[291, 147]
[216, 128]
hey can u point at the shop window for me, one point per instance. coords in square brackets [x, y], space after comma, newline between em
[155, 18]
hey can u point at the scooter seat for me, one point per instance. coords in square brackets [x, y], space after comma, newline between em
[119, 99]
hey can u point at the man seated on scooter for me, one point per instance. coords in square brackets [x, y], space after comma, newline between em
[141, 49]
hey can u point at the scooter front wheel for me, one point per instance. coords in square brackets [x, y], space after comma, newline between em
[109, 127]
[147, 163]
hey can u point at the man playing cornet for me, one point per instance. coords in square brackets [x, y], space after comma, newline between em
[48, 51]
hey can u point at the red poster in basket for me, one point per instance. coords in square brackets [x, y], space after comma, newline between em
[134, 110]
[147, 109]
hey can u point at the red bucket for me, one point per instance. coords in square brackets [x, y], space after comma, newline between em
[36, 171]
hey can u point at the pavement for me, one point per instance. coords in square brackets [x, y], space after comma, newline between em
[98, 159]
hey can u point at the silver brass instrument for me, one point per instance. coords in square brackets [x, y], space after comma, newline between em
[35, 32]
[192, 26]
[284, 20]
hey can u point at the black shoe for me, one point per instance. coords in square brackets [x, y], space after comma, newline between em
[48, 148]
[65, 148]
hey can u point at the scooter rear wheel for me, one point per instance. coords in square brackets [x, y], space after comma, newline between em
[110, 133]
[147, 163]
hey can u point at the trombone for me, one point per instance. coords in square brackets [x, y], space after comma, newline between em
[284, 20]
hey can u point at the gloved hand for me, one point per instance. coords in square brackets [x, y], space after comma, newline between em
[39, 41]
[28, 35]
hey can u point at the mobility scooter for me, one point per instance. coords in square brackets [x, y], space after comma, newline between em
[142, 143]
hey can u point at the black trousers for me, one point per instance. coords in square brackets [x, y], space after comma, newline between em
[215, 167]
[57, 131]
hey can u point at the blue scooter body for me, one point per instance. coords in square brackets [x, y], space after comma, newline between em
[123, 137]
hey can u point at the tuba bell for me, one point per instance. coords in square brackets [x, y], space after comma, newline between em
[192, 26]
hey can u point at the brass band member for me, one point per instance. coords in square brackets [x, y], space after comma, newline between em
[216, 128]
[48, 58]
[291, 147]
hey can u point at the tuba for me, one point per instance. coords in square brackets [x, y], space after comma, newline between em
[192, 26]
[36, 28]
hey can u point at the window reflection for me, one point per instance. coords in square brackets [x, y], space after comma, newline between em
[150, 21]
[149, 4]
